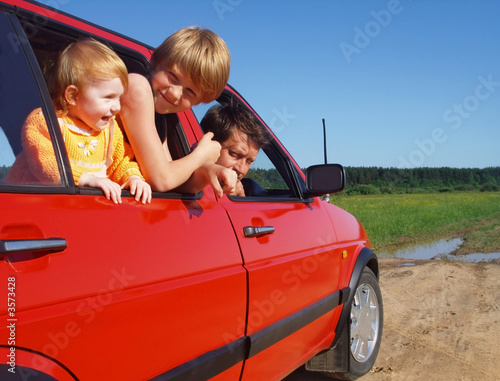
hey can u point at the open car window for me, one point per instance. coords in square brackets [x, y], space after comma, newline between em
[20, 95]
[272, 177]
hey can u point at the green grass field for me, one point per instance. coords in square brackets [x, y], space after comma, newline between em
[392, 220]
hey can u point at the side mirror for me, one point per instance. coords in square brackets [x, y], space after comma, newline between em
[324, 178]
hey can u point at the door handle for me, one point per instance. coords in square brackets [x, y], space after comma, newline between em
[48, 245]
[257, 231]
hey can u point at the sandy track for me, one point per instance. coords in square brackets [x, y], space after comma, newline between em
[441, 322]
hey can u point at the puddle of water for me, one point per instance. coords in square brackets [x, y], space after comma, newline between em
[406, 264]
[439, 250]
[475, 257]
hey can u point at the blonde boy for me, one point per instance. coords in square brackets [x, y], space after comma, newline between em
[189, 67]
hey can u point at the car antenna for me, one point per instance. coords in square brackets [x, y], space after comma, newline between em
[325, 197]
[324, 140]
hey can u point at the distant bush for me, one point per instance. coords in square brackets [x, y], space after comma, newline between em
[464, 188]
[4, 171]
[386, 190]
[363, 189]
[420, 190]
[489, 188]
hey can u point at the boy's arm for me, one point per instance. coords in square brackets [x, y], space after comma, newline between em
[137, 116]
[222, 179]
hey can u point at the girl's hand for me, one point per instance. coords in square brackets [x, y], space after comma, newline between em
[112, 190]
[138, 188]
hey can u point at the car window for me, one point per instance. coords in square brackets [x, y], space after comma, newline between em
[19, 97]
[270, 173]
[46, 41]
[264, 172]
[271, 176]
[7, 156]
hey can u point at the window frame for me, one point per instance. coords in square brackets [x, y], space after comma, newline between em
[66, 179]
[135, 62]
[276, 155]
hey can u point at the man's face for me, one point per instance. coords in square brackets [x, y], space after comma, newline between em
[238, 153]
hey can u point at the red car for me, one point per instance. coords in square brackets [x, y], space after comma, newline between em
[189, 287]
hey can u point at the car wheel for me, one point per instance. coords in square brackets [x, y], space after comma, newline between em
[365, 328]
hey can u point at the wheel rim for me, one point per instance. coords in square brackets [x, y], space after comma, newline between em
[365, 319]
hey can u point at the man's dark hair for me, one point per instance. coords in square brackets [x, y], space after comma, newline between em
[223, 119]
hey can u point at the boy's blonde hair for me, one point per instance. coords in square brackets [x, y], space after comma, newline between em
[201, 54]
[78, 63]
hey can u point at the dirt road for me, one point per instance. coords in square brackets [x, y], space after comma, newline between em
[441, 322]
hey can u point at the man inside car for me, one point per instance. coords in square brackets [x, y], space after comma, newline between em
[241, 137]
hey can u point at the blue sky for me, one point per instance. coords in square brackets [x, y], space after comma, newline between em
[400, 83]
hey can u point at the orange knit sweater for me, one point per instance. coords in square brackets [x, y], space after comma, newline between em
[103, 153]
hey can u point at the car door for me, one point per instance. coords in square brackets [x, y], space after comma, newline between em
[292, 258]
[292, 261]
[104, 291]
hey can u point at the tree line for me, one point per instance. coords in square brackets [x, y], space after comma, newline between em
[373, 180]
[377, 180]
[4, 171]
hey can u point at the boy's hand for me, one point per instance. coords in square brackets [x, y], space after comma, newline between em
[208, 148]
[112, 190]
[138, 188]
[238, 190]
[222, 179]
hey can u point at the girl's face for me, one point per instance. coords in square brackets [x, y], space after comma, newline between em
[173, 91]
[97, 102]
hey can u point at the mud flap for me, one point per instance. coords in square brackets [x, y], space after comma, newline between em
[335, 359]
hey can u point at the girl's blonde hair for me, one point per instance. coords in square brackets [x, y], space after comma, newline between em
[201, 54]
[78, 64]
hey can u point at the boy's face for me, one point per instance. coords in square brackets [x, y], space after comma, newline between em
[173, 91]
[97, 102]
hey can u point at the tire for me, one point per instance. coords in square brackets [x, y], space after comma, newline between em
[366, 322]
